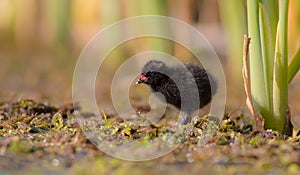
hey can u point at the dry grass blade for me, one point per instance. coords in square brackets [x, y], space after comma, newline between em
[259, 121]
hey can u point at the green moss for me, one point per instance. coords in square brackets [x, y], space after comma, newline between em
[293, 168]
[21, 147]
[223, 139]
[256, 141]
[57, 121]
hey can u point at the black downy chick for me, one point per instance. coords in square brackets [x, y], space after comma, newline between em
[189, 80]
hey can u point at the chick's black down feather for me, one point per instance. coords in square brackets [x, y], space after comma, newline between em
[187, 87]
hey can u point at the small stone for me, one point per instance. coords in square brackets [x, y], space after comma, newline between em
[55, 162]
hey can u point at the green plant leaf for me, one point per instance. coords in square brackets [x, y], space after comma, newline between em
[271, 9]
[256, 67]
[233, 18]
[266, 49]
[280, 81]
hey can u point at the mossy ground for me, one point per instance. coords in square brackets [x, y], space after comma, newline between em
[39, 138]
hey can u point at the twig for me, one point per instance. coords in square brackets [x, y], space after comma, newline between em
[259, 121]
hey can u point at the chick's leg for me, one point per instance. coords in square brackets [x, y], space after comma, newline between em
[184, 118]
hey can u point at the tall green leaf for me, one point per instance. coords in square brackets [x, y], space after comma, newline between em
[280, 81]
[294, 66]
[271, 8]
[265, 34]
[257, 75]
[233, 18]
[63, 19]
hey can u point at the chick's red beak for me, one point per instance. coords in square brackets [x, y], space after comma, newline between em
[142, 79]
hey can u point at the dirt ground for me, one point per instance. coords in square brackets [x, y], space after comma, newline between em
[41, 138]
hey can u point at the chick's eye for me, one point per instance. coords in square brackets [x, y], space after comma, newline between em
[149, 73]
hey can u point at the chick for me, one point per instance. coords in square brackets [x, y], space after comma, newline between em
[186, 87]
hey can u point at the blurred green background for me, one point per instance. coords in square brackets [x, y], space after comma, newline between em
[40, 41]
